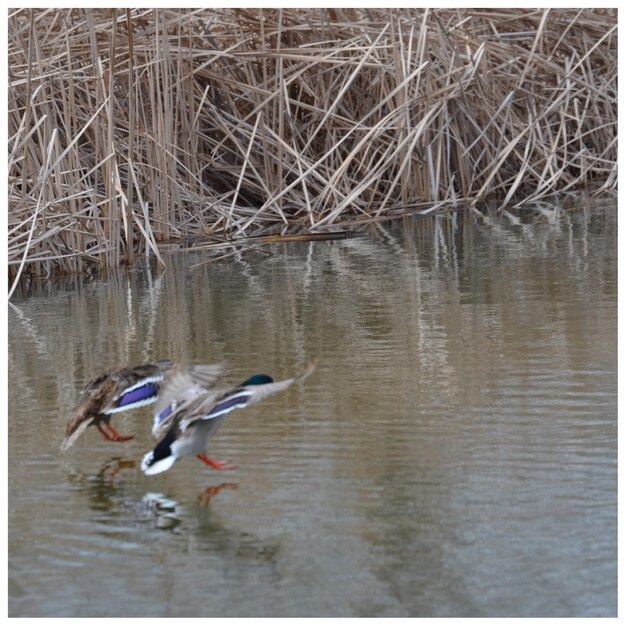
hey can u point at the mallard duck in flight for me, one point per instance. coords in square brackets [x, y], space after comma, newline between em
[187, 414]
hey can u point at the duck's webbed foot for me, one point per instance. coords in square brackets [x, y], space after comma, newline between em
[217, 465]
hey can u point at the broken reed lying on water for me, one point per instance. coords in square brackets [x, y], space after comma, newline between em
[130, 127]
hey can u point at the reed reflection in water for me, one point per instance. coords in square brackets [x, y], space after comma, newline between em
[453, 454]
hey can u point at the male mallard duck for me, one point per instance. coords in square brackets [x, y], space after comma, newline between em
[189, 415]
[124, 388]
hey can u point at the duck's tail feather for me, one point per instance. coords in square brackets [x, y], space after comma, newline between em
[162, 457]
[150, 467]
[73, 432]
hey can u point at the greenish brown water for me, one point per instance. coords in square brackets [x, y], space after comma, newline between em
[455, 452]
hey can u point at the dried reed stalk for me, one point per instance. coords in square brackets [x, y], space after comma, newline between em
[130, 127]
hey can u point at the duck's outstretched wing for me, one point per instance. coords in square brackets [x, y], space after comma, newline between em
[208, 376]
[217, 404]
[181, 386]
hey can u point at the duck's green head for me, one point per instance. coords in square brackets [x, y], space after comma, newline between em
[258, 379]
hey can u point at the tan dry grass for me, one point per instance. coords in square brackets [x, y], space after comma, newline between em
[227, 122]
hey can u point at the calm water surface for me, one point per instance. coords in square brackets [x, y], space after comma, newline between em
[454, 453]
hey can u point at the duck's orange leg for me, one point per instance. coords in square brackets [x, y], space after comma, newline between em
[104, 433]
[117, 436]
[113, 435]
[218, 465]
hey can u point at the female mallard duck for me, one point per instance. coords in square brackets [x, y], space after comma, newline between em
[189, 415]
[124, 388]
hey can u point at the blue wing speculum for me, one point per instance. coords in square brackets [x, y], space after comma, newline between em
[222, 407]
[144, 392]
[229, 404]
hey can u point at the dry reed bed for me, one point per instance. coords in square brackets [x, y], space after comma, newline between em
[228, 122]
